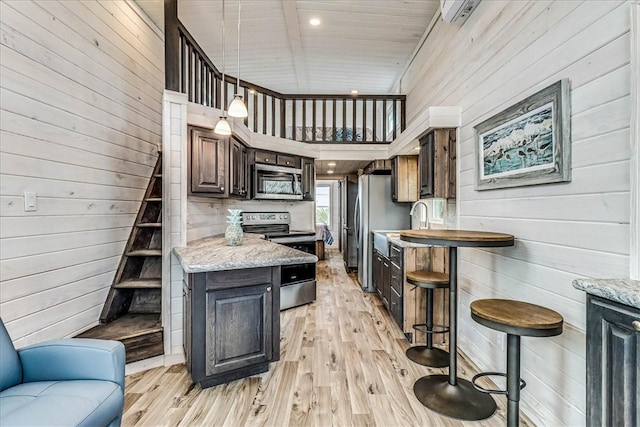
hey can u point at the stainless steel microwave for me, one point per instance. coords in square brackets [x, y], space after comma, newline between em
[276, 182]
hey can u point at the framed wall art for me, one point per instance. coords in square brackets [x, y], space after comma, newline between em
[529, 143]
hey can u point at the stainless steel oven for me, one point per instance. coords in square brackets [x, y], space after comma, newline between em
[276, 182]
[297, 281]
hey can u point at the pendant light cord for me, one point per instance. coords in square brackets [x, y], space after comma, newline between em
[238, 85]
[224, 92]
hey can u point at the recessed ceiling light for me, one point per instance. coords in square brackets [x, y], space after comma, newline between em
[417, 148]
[329, 171]
[331, 164]
[355, 92]
[314, 21]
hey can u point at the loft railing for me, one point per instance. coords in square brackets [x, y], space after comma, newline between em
[306, 118]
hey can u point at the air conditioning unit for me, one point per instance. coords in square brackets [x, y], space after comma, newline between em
[457, 10]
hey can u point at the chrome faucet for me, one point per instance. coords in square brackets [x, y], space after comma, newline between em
[426, 211]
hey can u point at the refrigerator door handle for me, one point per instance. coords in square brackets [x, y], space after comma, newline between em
[356, 223]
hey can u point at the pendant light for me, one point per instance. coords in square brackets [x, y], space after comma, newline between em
[222, 127]
[237, 108]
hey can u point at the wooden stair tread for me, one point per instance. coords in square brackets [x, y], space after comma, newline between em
[126, 327]
[149, 225]
[139, 283]
[145, 252]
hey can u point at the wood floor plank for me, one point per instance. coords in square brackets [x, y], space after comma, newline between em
[343, 363]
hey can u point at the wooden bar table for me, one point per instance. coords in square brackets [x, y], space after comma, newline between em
[447, 394]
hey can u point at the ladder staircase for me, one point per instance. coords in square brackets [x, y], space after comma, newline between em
[133, 309]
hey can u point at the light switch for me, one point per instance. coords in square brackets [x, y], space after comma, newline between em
[30, 203]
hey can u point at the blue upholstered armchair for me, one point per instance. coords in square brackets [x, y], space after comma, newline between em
[71, 382]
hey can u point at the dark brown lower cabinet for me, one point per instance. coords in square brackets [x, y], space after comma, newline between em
[232, 323]
[388, 280]
[613, 369]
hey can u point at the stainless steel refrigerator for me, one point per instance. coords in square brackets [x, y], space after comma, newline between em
[375, 211]
[349, 193]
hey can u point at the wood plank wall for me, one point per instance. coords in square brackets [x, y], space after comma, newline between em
[503, 53]
[81, 92]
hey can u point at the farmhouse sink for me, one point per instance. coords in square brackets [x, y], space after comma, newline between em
[381, 242]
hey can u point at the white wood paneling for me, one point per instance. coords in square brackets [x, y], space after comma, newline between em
[80, 101]
[503, 53]
[634, 265]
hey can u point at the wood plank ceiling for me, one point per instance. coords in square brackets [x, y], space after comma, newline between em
[361, 45]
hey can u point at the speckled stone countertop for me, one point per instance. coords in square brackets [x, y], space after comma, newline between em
[213, 254]
[394, 237]
[624, 291]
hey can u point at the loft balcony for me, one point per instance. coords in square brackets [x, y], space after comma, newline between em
[311, 118]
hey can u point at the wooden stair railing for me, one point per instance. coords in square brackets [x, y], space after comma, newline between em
[306, 118]
[132, 310]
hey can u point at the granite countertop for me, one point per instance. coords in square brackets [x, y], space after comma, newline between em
[393, 236]
[624, 291]
[395, 239]
[213, 254]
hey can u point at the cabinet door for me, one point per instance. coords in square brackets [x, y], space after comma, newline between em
[186, 323]
[395, 278]
[238, 166]
[376, 271]
[426, 160]
[613, 349]
[208, 163]
[404, 179]
[386, 280]
[238, 329]
[395, 307]
[308, 179]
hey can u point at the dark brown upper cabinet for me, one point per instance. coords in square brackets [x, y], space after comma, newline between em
[218, 166]
[308, 179]
[438, 164]
[239, 169]
[208, 163]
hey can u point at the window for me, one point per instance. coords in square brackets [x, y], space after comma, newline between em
[323, 204]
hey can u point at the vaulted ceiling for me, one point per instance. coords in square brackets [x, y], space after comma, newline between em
[361, 45]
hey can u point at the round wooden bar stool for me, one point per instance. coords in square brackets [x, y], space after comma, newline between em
[428, 355]
[516, 319]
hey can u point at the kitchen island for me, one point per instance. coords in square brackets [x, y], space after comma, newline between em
[231, 309]
[613, 343]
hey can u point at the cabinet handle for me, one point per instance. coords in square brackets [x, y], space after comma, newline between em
[636, 325]
[221, 188]
[268, 288]
[266, 160]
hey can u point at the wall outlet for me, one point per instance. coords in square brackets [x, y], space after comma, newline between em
[30, 201]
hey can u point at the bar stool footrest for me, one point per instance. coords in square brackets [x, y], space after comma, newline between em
[422, 327]
[476, 377]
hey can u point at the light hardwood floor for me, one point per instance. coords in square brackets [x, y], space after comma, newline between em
[343, 363]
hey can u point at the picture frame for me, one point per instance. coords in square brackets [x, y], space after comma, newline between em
[529, 143]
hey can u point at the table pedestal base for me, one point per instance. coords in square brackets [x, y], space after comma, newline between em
[425, 356]
[461, 401]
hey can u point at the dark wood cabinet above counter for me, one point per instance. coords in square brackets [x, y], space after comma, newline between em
[222, 166]
[438, 164]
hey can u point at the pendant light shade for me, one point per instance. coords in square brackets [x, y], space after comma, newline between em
[222, 127]
[237, 108]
